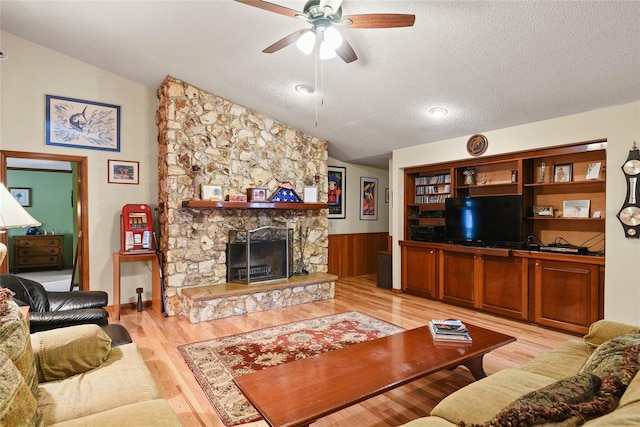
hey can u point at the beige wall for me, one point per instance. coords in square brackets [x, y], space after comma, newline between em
[28, 74]
[352, 222]
[620, 125]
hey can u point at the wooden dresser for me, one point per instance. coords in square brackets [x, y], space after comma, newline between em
[37, 252]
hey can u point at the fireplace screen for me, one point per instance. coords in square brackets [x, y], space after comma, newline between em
[259, 255]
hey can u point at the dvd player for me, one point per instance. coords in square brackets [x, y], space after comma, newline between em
[566, 249]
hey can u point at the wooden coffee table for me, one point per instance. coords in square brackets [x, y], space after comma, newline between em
[300, 392]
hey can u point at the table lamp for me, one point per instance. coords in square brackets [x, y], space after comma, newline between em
[12, 215]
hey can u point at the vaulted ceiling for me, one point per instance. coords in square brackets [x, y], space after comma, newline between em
[490, 64]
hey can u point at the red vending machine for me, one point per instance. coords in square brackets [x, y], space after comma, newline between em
[136, 229]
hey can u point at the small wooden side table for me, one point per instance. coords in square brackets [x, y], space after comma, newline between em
[118, 258]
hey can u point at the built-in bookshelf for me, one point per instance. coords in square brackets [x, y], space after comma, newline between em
[563, 190]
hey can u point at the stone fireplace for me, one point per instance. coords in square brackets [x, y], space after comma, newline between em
[204, 139]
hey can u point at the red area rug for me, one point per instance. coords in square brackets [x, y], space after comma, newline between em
[216, 362]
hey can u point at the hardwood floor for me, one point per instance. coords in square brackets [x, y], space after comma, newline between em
[158, 337]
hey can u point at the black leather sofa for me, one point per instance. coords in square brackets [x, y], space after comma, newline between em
[50, 310]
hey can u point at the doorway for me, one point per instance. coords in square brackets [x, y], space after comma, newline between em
[81, 239]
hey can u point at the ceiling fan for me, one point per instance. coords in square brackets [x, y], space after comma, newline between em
[323, 15]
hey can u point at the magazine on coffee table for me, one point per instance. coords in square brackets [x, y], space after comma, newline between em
[449, 330]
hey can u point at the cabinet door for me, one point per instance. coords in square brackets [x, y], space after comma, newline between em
[458, 278]
[419, 271]
[504, 286]
[566, 294]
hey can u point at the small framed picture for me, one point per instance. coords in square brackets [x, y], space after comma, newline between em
[575, 208]
[562, 173]
[593, 170]
[542, 210]
[369, 198]
[211, 192]
[310, 194]
[123, 172]
[22, 195]
[256, 194]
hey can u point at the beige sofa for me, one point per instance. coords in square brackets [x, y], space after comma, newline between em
[73, 377]
[530, 394]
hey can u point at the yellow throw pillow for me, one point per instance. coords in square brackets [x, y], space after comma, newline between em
[604, 330]
[64, 352]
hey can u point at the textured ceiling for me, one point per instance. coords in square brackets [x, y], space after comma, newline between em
[492, 64]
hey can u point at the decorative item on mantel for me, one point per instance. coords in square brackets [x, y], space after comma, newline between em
[236, 197]
[285, 194]
[195, 182]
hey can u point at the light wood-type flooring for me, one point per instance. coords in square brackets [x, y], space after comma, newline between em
[158, 338]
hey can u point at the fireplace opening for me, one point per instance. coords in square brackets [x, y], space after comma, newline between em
[260, 255]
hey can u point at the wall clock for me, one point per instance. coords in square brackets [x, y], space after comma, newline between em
[629, 214]
[477, 144]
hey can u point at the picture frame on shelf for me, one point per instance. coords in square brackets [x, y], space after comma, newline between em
[123, 172]
[563, 173]
[368, 198]
[543, 210]
[575, 208]
[77, 123]
[256, 194]
[593, 171]
[211, 192]
[336, 192]
[22, 195]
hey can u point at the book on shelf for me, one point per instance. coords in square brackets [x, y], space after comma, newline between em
[449, 330]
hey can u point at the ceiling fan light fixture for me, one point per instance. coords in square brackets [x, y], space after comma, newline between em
[438, 112]
[306, 42]
[333, 37]
[326, 51]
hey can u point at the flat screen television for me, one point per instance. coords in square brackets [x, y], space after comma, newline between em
[486, 220]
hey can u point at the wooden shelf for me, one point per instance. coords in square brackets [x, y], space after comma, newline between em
[498, 184]
[561, 218]
[206, 204]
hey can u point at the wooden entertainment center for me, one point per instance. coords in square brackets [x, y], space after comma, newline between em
[554, 287]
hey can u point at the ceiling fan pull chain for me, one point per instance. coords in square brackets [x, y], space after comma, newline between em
[316, 85]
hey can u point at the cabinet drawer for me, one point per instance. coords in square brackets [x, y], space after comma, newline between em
[38, 250]
[39, 242]
[38, 260]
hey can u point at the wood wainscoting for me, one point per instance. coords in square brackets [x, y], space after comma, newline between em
[355, 254]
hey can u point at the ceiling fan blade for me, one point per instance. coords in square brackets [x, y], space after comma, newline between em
[284, 42]
[381, 20]
[346, 52]
[265, 5]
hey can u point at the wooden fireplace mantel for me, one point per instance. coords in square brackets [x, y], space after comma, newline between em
[206, 204]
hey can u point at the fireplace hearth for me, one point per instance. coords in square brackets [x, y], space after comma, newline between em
[260, 255]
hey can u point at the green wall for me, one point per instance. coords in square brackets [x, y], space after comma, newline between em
[51, 194]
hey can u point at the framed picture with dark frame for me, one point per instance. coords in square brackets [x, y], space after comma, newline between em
[82, 124]
[22, 195]
[368, 198]
[336, 189]
[563, 173]
[123, 172]
[542, 210]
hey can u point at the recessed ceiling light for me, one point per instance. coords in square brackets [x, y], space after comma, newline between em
[307, 90]
[438, 112]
